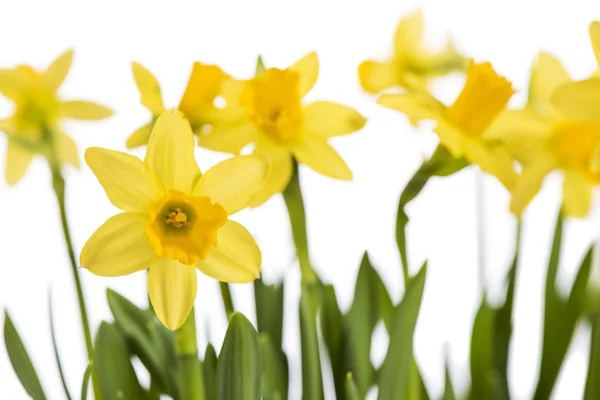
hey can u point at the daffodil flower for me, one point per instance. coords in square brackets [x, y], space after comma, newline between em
[268, 112]
[544, 139]
[34, 128]
[174, 219]
[463, 127]
[197, 104]
[412, 64]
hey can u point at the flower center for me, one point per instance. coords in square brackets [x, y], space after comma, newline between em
[577, 145]
[184, 227]
[272, 103]
[483, 97]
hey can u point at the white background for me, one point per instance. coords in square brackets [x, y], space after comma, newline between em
[344, 219]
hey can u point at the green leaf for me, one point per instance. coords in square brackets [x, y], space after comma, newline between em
[560, 316]
[55, 347]
[351, 389]
[21, 363]
[260, 67]
[209, 369]
[116, 376]
[441, 163]
[239, 365]
[86, 382]
[449, 389]
[149, 340]
[592, 383]
[312, 381]
[269, 310]
[332, 329]
[274, 381]
[395, 372]
[482, 357]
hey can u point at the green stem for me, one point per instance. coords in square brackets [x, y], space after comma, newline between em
[227, 300]
[186, 347]
[295, 206]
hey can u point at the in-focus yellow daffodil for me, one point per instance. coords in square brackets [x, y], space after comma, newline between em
[34, 127]
[581, 100]
[268, 111]
[197, 103]
[462, 128]
[412, 64]
[544, 139]
[175, 219]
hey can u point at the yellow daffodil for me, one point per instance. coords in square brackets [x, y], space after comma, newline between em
[175, 219]
[462, 128]
[545, 139]
[197, 103]
[268, 111]
[411, 64]
[34, 126]
[581, 100]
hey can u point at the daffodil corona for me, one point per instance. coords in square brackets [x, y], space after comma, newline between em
[34, 128]
[268, 111]
[463, 128]
[175, 219]
[197, 103]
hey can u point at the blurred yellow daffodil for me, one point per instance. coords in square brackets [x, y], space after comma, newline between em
[34, 128]
[544, 139]
[175, 219]
[581, 100]
[197, 103]
[411, 64]
[463, 127]
[268, 111]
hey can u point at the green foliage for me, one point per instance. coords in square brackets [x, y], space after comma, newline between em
[209, 370]
[312, 381]
[275, 374]
[350, 388]
[592, 384]
[269, 310]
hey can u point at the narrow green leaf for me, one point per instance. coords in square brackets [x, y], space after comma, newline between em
[395, 371]
[560, 316]
[269, 310]
[55, 347]
[86, 382]
[209, 369]
[260, 67]
[351, 389]
[592, 383]
[441, 163]
[482, 357]
[274, 381]
[116, 376]
[312, 381]
[239, 364]
[449, 388]
[150, 341]
[332, 329]
[21, 363]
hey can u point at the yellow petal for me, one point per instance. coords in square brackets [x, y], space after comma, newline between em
[17, 162]
[140, 137]
[279, 173]
[492, 159]
[119, 247]
[315, 152]
[451, 138]
[377, 76]
[326, 118]
[11, 83]
[172, 289]
[529, 183]
[84, 110]
[233, 183]
[547, 74]
[228, 137]
[203, 87]
[579, 100]
[409, 34]
[58, 70]
[151, 97]
[127, 183]
[170, 153]
[577, 194]
[595, 38]
[236, 258]
[308, 69]
[67, 150]
[414, 106]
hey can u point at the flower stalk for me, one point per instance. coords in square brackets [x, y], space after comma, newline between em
[186, 347]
